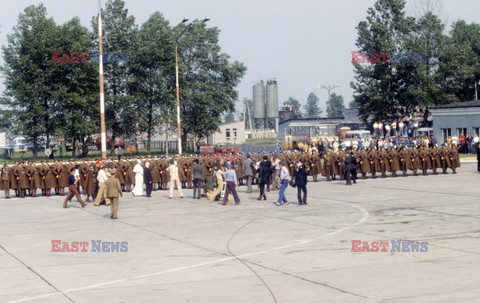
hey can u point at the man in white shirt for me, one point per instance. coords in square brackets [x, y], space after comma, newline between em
[138, 171]
[101, 179]
[48, 152]
[400, 128]
[174, 179]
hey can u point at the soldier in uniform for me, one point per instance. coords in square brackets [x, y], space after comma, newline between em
[5, 176]
[413, 155]
[340, 165]
[13, 179]
[57, 170]
[452, 153]
[34, 178]
[373, 160]
[405, 161]
[425, 161]
[130, 177]
[181, 172]
[328, 164]
[313, 166]
[364, 163]
[155, 170]
[21, 176]
[63, 179]
[163, 174]
[444, 159]
[435, 159]
[82, 169]
[393, 162]
[50, 179]
[91, 182]
[383, 162]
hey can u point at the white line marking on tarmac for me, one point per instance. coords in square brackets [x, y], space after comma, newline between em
[365, 215]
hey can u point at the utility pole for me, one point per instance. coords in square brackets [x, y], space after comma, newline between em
[247, 114]
[177, 83]
[102, 95]
[476, 93]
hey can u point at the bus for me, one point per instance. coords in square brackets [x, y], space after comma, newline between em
[309, 132]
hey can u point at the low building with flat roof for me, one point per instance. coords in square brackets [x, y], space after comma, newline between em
[454, 119]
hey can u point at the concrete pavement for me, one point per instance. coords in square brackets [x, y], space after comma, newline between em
[185, 250]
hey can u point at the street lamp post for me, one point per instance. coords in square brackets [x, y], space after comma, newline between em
[328, 88]
[177, 84]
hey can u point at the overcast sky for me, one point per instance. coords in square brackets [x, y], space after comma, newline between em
[302, 43]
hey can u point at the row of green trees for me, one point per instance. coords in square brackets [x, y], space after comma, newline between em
[45, 99]
[335, 106]
[391, 91]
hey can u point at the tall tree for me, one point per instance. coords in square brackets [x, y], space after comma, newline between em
[312, 110]
[421, 86]
[296, 107]
[207, 81]
[460, 62]
[151, 77]
[76, 91]
[378, 88]
[335, 106]
[29, 75]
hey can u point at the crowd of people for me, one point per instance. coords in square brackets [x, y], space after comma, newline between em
[218, 177]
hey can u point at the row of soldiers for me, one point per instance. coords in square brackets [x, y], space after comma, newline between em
[380, 161]
[28, 178]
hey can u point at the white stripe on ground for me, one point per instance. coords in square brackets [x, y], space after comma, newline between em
[364, 217]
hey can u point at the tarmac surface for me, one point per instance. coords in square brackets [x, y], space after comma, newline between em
[185, 250]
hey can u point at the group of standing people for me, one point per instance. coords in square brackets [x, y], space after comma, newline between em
[219, 177]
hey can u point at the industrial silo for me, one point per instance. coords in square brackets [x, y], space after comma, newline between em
[259, 105]
[272, 103]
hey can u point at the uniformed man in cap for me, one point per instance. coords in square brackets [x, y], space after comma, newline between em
[444, 159]
[5, 178]
[373, 160]
[405, 161]
[113, 192]
[392, 158]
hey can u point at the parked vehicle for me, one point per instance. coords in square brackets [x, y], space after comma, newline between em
[20, 145]
[424, 132]
[352, 138]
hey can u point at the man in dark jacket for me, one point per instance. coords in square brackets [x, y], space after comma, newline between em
[263, 179]
[197, 179]
[353, 171]
[301, 183]
[348, 168]
[478, 157]
[147, 179]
